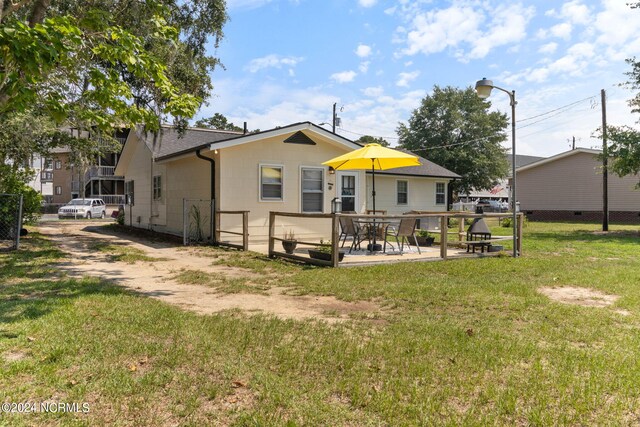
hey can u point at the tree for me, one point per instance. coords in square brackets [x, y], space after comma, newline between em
[367, 139]
[453, 128]
[108, 63]
[100, 65]
[217, 121]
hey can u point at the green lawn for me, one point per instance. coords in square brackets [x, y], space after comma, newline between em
[464, 342]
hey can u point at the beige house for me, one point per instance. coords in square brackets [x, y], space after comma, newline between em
[276, 170]
[568, 186]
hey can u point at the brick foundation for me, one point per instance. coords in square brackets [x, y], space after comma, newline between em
[587, 216]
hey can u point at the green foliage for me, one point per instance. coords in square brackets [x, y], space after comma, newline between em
[14, 181]
[454, 128]
[108, 63]
[220, 122]
[623, 150]
[367, 139]
[120, 217]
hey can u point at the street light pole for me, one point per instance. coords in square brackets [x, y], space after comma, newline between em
[483, 89]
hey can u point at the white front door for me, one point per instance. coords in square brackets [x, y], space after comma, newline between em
[348, 190]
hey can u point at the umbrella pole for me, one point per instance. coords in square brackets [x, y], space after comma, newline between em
[374, 246]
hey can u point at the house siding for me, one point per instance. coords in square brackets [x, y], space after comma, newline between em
[239, 185]
[561, 188]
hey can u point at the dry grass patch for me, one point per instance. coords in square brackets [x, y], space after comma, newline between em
[579, 296]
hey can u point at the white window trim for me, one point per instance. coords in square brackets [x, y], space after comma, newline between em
[338, 193]
[270, 165]
[436, 193]
[324, 181]
[402, 180]
[153, 188]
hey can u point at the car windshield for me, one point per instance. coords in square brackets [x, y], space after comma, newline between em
[80, 202]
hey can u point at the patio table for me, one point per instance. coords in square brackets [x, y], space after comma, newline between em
[379, 227]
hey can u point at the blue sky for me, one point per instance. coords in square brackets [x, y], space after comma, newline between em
[289, 60]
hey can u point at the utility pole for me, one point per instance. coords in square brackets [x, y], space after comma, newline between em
[334, 117]
[573, 147]
[605, 164]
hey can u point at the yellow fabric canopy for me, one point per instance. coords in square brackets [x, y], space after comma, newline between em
[373, 156]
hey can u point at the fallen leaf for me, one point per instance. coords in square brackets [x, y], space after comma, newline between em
[31, 339]
[470, 332]
[73, 382]
[143, 360]
[133, 368]
[238, 384]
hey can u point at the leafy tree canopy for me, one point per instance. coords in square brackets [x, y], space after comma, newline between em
[454, 128]
[220, 122]
[367, 139]
[107, 63]
[217, 121]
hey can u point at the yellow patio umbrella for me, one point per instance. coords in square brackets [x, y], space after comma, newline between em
[376, 157]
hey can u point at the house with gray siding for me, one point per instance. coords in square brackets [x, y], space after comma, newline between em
[568, 186]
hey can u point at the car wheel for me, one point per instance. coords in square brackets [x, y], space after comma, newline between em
[103, 215]
[88, 215]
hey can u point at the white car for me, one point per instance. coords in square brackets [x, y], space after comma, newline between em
[83, 208]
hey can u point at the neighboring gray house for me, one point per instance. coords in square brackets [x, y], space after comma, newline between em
[568, 186]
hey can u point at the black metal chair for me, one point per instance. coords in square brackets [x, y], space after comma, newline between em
[405, 230]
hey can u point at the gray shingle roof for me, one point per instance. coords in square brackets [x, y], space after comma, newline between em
[427, 168]
[169, 143]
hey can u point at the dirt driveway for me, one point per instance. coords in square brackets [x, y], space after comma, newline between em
[157, 277]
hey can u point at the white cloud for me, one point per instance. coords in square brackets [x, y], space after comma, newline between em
[576, 12]
[405, 78]
[470, 32]
[562, 31]
[272, 61]
[548, 48]
[367, 3]
[364, 67]
[363, 50]
[373, 91]
[344, 76]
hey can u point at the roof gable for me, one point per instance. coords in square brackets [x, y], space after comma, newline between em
[563, 155]
[307, 128]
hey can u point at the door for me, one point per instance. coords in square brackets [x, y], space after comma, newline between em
[348, 190]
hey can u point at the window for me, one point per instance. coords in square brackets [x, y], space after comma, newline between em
[402, 192]
[312, 189]
[46, 176]
[58, 190]
[58, 164]
[48, 164]
[271, 183]
[157, 187]
[440, 193]
[128, 191]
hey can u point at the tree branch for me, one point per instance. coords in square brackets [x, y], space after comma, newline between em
[37, 13]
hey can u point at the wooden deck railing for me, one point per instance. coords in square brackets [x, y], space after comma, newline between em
[245, 230]
[443, 231]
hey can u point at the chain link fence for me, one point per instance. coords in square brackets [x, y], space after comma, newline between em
[197, 221]
[10, 221]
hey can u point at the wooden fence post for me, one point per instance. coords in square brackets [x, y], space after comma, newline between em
[245, 231]
[272, 225]
[443, 237]
[519, 235]
[461, 233]
[335, 232]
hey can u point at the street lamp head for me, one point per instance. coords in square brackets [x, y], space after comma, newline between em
[483, 88]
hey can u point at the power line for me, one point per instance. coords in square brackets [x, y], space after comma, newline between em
[556, 109]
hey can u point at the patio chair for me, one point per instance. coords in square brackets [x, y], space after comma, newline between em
[349, 228]
[405, 230]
